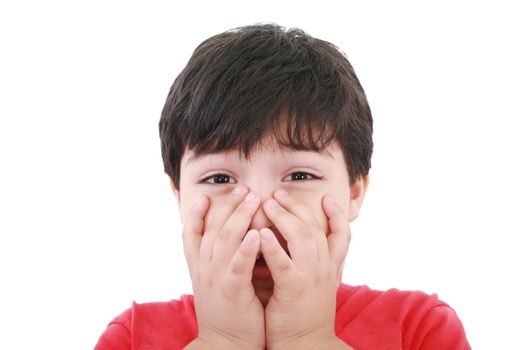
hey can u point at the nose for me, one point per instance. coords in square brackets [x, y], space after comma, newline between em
[259, 219]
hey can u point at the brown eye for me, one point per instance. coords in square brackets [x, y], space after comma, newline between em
[301, 176]
[219, 179]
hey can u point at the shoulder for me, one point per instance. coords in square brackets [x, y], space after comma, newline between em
[172, 324]
[414, 319]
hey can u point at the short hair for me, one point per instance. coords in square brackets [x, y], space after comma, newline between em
[247, 83]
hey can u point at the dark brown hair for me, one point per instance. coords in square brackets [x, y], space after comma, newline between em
[245, 84]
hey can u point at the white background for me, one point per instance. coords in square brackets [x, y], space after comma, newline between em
[88, 222]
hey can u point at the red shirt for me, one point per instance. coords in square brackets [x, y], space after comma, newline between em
[365, 319]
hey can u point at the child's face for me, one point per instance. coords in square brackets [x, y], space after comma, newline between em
[306, 175]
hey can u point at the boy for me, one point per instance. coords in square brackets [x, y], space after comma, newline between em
[267, 139]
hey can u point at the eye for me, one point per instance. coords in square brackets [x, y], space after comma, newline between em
[301, 176]
[219, 179]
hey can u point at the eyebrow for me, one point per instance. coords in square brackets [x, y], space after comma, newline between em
[193, 158]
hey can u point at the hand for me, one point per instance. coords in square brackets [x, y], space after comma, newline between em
[221, 261]
[301, 311]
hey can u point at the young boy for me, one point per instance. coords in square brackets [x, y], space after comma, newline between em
[267, 139]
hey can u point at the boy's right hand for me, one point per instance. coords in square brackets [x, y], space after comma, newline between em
[221, 261]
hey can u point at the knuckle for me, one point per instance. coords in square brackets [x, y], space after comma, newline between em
[303, 229]
[244, 253]
[224, 234]
[229, 286]
[283, 267]
[236, 269]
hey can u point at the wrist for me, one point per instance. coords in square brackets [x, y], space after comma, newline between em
[214, 344]
[337, 343]
[331, 343]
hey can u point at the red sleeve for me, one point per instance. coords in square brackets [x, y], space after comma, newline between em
[409, 320]
[154, 325]
[440, 328]
[117, 335]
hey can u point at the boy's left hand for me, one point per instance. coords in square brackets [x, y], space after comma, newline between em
[301, 312]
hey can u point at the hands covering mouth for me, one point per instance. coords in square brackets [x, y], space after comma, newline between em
[221, 262]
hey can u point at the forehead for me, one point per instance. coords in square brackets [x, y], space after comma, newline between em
[264, 152]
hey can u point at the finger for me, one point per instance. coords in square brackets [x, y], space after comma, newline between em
[193, 230]
[339, 238]
[294, 206]
[234, 229]
[302, 246]
[297, 208]
[217, 217]
[284, 272]
[221, 212]
[241, 265]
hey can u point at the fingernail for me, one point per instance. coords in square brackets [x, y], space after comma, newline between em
[267, 235]
[282, 193]
[271, 203]
[237, 190]
[249, 197]
[252, 236]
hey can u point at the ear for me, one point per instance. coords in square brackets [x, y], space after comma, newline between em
[357, 196]
[176, 192]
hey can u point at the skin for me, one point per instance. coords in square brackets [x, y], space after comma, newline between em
[298, 215]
